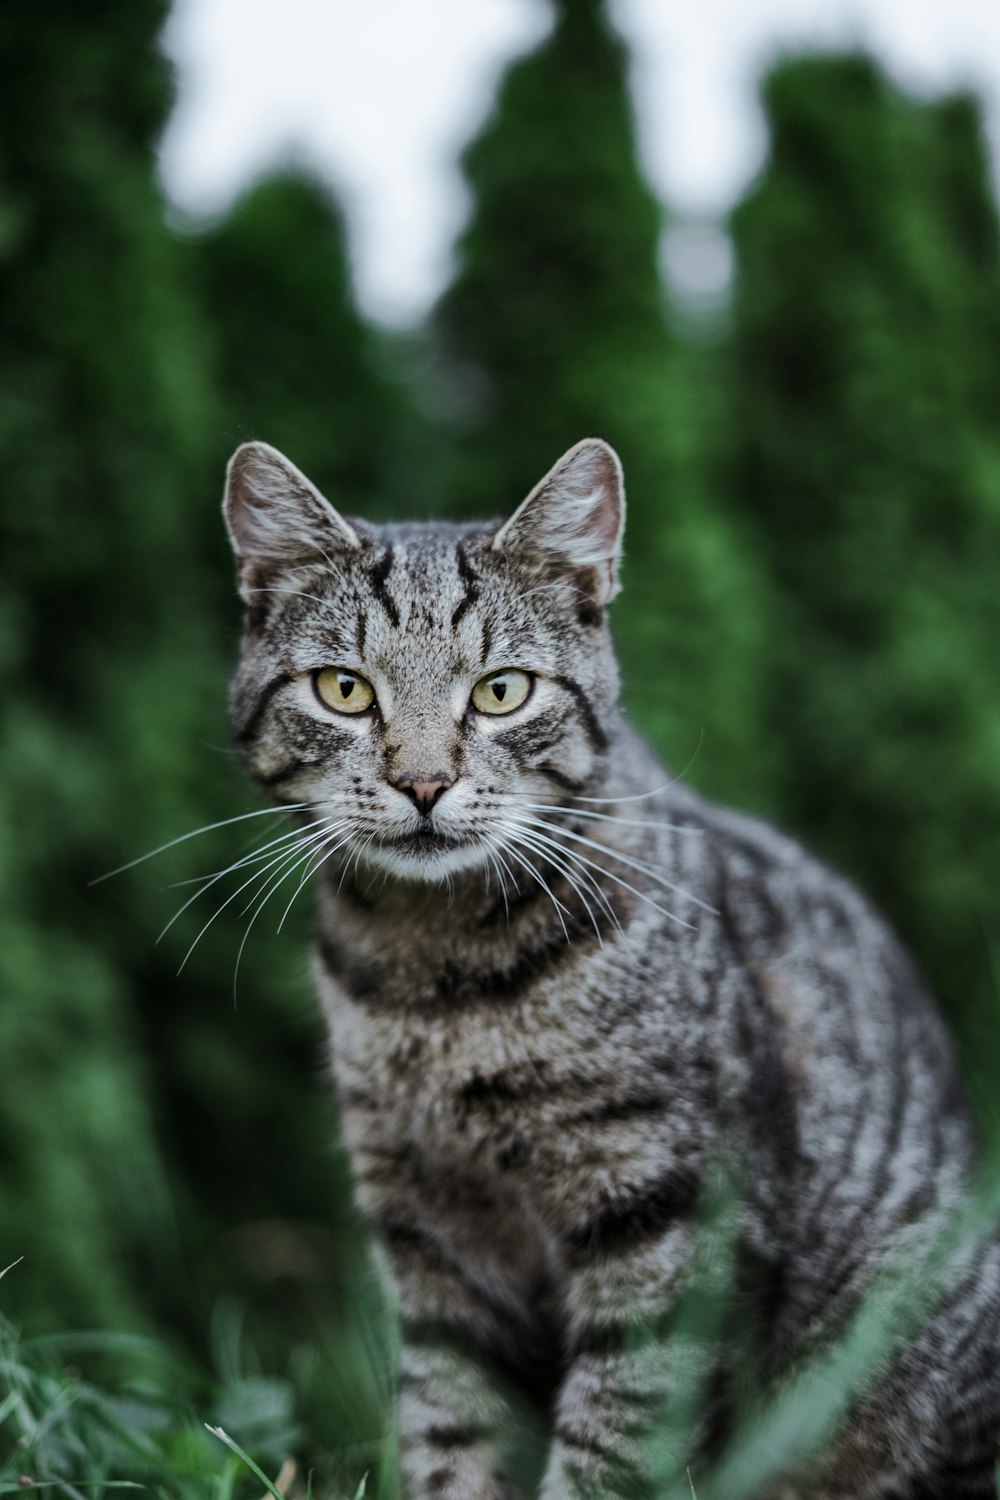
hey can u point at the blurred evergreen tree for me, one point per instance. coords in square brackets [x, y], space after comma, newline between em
[556, 327]
[139, 1136]
[293, 361]
[867, 444]
[102, 413]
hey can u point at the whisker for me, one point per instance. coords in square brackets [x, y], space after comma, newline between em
[638, 796]
[641, 865]
[317, 860]
[494, 865]
[245, 859]
[276, 880]
[261, 812]
[205, 882]
[573, 875]
[504, 866]
[279, 859]
[314, 597]
[303, 846]
[527, 865]
[608, 875]
[580, 812]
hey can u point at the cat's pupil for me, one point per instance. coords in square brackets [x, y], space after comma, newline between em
[500, 690]
[347, 686]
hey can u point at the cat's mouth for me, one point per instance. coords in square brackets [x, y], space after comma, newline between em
[427, 853]
[425, 840]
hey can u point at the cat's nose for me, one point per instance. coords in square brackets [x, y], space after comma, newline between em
[423, 793]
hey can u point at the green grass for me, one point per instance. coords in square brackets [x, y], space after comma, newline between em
[141, 1417]
[146, 1425]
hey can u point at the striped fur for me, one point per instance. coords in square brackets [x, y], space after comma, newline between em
[550, 1017]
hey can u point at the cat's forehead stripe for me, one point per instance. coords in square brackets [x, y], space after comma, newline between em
[470, 583]
[377, 578]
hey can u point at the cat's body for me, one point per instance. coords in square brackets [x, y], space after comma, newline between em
[561, 990]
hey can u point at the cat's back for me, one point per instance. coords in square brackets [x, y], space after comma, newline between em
[879, 1138]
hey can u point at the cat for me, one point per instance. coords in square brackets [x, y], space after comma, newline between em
[561, 988]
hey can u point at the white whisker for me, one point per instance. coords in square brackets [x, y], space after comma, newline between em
[288, 837]
[302, 845]
[573, 873]
[527, 865]
[573, 870]
[317, 860]
[643, 866]
[493, 864]
[580, 812]
[657, 791]
[205, 882]
[608, 875]
[261, 812]
[278, 879]
[283, 857]
[314, 597]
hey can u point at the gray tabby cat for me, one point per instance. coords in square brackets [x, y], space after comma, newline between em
[560, 986]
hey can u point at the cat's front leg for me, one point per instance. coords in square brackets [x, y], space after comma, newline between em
[450, 1418]
[625, 1423]
[453, 1413]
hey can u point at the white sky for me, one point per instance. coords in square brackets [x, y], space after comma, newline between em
[379, 96]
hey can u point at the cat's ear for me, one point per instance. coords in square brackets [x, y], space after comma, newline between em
[574, 518]
[276, 517]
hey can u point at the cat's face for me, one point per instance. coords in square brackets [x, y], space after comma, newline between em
[425, 690]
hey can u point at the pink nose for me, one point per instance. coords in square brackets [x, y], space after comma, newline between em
[423, 794]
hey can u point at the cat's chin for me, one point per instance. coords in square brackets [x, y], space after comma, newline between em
[426, 858]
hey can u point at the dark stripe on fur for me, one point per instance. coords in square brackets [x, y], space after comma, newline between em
[283, 773]
[454, 1437]
[377, 578]
[458, 984]
[361, 980]
[624, 1473]
[617, 1227]
[248, 732]
[532, 738]
[632, 1107]
[591, 723]
[526, 1353]
[568, 783]
[471, 582]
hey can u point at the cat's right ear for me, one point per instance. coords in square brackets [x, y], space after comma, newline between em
[276, 517]
[573, 519]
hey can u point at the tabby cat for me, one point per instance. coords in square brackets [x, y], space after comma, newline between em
[561, 988]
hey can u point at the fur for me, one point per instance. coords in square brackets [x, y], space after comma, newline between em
[557, 1001]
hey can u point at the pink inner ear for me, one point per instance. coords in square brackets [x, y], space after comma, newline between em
[275, 514]
[581, 503]
[574, 516]
[606, 515]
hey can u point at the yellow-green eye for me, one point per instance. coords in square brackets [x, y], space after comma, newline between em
[501, 692]
[345, 691]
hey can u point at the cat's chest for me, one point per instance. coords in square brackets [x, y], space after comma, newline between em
[469, 1088]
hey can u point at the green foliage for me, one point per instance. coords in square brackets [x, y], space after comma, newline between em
[147, 1165]
[101, 412]
[292, 360]
[810, 610]
[68, 1434]
[867, 459]
[557, 327]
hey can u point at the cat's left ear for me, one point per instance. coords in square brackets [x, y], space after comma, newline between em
[574, 518]
[276, 517]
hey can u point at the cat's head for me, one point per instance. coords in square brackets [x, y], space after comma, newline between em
[425, 688]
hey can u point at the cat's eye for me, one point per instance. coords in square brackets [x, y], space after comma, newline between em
[343, 691]
[501, 692]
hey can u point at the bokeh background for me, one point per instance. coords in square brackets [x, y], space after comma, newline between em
[809, 627]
